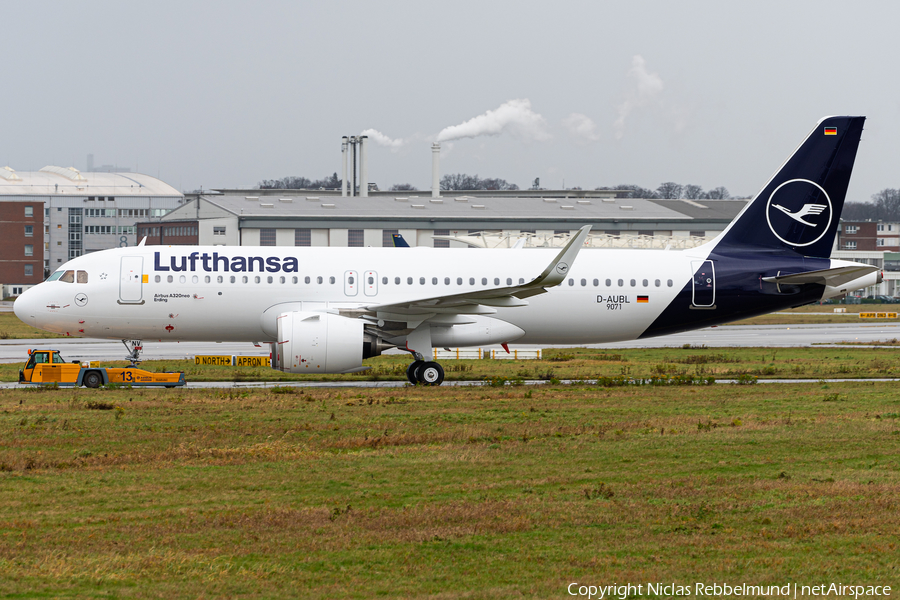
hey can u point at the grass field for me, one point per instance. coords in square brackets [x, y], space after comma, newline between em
[445, 492]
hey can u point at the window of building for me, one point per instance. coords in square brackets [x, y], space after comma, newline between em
[267, 236]
[441, 243]
[387, 237]
[878, 242]
[303, 237]
[29, 270]
[880, 227]
[218, 230]
[355, 238]
[851, 229]
[29, 231]
[29, 249]
[29, 211]
[850, 245]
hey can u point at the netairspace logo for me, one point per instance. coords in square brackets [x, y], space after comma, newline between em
[720, 590]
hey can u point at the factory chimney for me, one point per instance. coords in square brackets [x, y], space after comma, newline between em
[435, 170]
[363, 167]
[344, 171]
[353, 165]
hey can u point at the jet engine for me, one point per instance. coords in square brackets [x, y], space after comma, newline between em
[314, 342]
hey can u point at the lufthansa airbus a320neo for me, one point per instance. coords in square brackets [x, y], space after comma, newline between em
[325, 310]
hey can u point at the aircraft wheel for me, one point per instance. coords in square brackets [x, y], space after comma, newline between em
[412, 371]
[92, 379]
[430, 373]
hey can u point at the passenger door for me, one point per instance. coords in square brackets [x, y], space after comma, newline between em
[131, 279]
[704, 295]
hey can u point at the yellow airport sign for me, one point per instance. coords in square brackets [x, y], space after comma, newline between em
[233, 361]
[877, 315]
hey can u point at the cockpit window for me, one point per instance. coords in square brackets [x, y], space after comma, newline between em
[55, 276]
[68, 277]
[82, 277]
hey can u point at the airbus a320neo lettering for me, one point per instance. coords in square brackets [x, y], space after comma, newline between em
[325, 310]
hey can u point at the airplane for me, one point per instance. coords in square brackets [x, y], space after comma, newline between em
[398, 240]
[325, 310]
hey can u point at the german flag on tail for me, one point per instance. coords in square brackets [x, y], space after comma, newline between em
[831, 131]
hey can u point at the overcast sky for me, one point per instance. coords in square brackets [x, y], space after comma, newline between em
[225, 94]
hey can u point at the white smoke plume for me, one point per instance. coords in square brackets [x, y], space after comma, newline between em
[383, 140]
[645, 86]
[514, 116]
[582, 128]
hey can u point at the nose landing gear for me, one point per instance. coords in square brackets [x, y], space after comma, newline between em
[423, 372]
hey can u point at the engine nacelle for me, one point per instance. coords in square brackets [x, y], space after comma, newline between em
[314, 342]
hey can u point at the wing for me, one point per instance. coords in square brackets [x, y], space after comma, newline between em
[483, 301]
[810, 209]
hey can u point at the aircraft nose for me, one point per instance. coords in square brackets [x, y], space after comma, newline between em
[25, 304]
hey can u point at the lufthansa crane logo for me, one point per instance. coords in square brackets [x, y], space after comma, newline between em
[562, 268]
[799, 212]
[81, 299]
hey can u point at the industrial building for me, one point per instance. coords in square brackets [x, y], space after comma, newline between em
[289, 219]
[76, 213]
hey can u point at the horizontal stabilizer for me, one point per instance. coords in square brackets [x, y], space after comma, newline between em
[833, 277]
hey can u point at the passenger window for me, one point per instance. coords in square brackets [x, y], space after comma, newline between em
[371, 280]
[182, 279]
[195, 279]
[434, 281]
[646, 283]
[633, 283]
[409, 281]
[384, 280]
[233, 279]
[471, 281]
[583, 282]
[350, 280]
[621, 283]
[244, 279]
[306, 279]
[459, 281]
[496, 281]
[571, 282]
[157, 279]
[484, 281]
[609, 283]
[319, 279]
[521, 280]
[396, 280]
[446, 281]
[331, 279]
[596, 282]
[256, 279]
[82, 277]
[421, 281]
[269, 279]
[68, 277]
[282, 280]
[169, 279]
[509, 281]
[656, 283]
[207, 279]
[669, 283]
[295, 279]
[220, 279]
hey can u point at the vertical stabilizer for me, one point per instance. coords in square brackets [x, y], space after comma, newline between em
[799, 209]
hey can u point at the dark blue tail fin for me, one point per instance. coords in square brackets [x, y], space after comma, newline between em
[399, 242]
[799, 209]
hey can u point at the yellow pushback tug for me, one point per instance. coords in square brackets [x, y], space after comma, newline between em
[48, 367]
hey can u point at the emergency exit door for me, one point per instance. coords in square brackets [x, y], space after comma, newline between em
[704, 283]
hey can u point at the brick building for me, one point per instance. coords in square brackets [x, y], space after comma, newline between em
[21, 245]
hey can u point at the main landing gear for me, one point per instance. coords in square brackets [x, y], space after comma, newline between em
[423, 372]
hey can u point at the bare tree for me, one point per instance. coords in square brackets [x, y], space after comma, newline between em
[403, 187]
[692, 192]
[669, 190]
[719, 193]
[462, 181]
[887, 202]
[627, 190]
